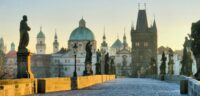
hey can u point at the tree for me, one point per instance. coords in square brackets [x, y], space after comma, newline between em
[163, 64]
[195, 46]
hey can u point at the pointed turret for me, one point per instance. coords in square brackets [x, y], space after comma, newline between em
[82, 23]
[104, 44]
[55, 43]
[12, 46]
[154, 26]
[132, 27]
[142, 24]
[124, 40]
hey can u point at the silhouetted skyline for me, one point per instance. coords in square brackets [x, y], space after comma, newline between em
[173, 18]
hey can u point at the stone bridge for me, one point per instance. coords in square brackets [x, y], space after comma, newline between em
[126, 87]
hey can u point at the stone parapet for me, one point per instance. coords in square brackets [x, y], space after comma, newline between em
[193, 87]
[16, 87]
[86, 81]
[46, 85]
[21, 87]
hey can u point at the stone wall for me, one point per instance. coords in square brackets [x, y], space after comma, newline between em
[16, 87]
[46, 85]
[19, 87]
[193, 87]
[86, 81]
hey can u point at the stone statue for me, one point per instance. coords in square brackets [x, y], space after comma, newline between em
[186, 61]
[24, 36]
[171, 62]
[88, 60]
[88, 50]
[98, 67]
[107, 63]
[163, 64]
[195, 34]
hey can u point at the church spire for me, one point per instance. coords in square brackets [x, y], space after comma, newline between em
[124, 35]
[40, 28]
[154, 25]
[124, 39]
[132, 26]
[104, 36]
[55, 37]
[55, 43]
[12, 48]
[82, 23]
[104, 44]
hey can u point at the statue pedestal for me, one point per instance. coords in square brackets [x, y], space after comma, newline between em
[24, 65]
[88, 69]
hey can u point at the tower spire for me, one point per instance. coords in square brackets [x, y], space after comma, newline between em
[124, 34]
[142, 23]
[138, 6]
[55, 35]
[145, 6]
[104, 36]
[40, 28]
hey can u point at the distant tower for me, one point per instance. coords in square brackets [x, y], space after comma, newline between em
[104, 44]
[41, 46]
[12, 48]
[144, 44]
[125, 44]
[2, 45]
[55, 44]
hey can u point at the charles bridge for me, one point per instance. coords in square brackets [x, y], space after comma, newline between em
[97, 85]
[101, 85]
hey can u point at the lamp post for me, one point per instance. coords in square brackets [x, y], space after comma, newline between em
[75, 51]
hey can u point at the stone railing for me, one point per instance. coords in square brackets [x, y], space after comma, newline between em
[16, 87]
[86, 81]
[46, 85]
[19, 87]
[193, 87]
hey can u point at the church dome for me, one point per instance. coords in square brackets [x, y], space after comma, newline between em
[40, 34]
[117, 44]
[82, 32]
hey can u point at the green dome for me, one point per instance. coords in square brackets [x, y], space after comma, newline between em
[82, 32]
[40, 35]
[117, 44]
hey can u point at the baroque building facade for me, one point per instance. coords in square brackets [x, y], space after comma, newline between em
[64, 60]
[144, 44]
[41, 46]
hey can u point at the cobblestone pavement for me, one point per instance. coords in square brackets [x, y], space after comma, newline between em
[126, 87]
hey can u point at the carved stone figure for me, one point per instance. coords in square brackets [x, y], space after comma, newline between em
[24, 36]
[171, 62]
[88, 60]
[88, 50]
[195, 34]
[163, 64]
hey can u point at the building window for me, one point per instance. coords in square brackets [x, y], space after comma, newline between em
[66, 69]
[145, 44]
[78, 61]
[65, 61]
[78, 69]
[40, 42]
[137, 44]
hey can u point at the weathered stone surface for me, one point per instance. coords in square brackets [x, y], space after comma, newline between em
[126, 87]
[193, 87]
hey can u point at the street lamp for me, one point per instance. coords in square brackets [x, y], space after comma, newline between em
[75, 51]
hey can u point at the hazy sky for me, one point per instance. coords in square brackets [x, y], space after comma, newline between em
[173, 18]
